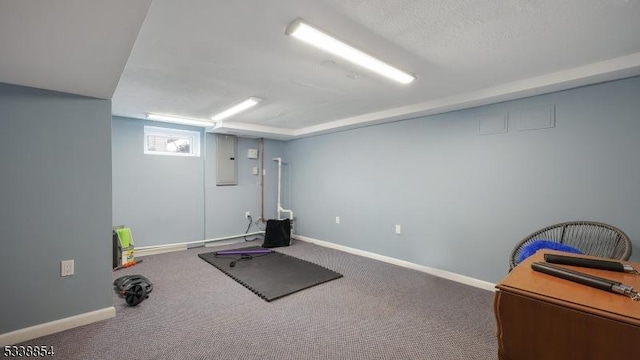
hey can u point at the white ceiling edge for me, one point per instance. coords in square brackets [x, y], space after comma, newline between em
[251, 131]
[612, 69]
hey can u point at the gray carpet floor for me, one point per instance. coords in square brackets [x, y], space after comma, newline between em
[376, 311]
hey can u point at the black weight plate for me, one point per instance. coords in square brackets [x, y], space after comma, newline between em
[135, 295]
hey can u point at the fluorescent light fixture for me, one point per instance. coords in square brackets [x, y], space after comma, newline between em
[179, 120]
[305, 32]
[250, 102]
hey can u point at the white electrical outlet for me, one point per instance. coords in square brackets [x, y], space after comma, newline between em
[255, 170]
[247, 214]
[66, 268]
[337, 219]
[398, 230]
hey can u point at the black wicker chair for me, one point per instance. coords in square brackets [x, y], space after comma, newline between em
[591, 238]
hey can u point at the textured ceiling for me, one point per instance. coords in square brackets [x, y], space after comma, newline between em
[195, 58]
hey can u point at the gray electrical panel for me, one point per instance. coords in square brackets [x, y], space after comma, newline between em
[226, 169]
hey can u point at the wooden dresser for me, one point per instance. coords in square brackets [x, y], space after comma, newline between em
[542, 317]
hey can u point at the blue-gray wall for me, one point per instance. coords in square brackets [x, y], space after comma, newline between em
[226, 205]
[55, 161]
[174, 199]
[463, 199]
[159, 197]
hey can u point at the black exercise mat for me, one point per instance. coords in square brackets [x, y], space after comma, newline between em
[274, 275]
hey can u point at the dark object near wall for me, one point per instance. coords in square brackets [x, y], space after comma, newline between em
[278, 233]
[133, 288]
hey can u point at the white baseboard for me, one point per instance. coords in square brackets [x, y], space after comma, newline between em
[224, 242]
[158, 249]
[165, 248]
[485, 285]
[33, 332]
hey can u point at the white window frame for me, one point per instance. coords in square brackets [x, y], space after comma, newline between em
[194, 136]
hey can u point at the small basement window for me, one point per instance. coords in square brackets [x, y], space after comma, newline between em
[163, 141]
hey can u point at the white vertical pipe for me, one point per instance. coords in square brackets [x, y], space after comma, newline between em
[280, 208]
[279, 160]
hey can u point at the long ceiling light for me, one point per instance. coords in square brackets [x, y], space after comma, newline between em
[250, 102]
[179, 120]
[305, 32]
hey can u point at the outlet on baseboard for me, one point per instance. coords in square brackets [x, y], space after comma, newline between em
[66, 267]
